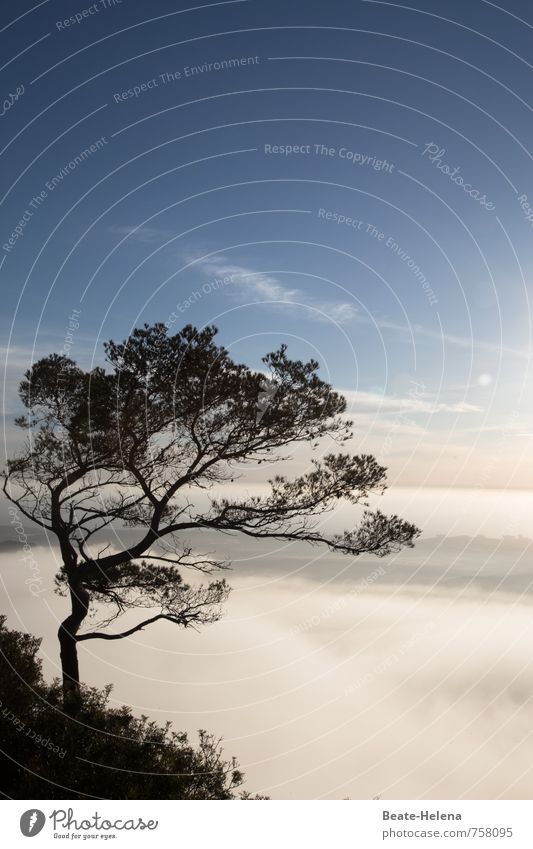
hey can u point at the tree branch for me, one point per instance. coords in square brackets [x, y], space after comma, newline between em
[100, 635]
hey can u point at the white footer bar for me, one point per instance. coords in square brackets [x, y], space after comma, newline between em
[269, 824]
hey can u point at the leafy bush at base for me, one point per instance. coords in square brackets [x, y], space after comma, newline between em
[105, 753]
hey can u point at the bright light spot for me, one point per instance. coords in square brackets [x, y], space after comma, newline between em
[484, 380]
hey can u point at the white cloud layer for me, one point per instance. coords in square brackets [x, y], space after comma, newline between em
[327, 689]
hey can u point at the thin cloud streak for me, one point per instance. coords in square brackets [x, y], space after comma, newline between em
[388, 404]
[248, 283]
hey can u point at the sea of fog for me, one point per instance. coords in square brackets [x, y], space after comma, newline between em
[409, 676]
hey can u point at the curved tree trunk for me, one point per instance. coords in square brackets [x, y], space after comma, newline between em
[68, 630]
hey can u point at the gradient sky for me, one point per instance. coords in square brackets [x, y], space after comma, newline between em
[182, 193]
[417, 308]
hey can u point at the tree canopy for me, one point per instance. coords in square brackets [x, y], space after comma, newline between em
[134, 444]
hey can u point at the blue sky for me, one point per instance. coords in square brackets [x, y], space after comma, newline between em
[352, 178]
[417, 306]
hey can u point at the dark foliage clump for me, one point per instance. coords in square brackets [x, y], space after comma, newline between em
[104, 753]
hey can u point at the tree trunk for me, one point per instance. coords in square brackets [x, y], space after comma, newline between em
[68, 629]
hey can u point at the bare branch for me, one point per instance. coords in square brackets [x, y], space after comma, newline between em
[101, 635]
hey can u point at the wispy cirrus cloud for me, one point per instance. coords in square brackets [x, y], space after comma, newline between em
[465, 342]
[248, 284]
[140, 233]
[381, 403]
